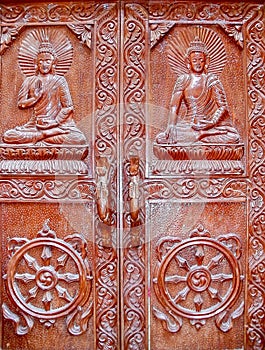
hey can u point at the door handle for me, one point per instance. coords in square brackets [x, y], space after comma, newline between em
[134, 198]
[103, 199]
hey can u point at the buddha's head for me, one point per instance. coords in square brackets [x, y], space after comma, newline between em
[46, 58]
[197, 57]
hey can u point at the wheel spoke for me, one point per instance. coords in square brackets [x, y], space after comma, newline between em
[182, 295]
[25, 277]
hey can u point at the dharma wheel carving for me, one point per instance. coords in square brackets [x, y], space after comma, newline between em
[199, 278]
[48, 278]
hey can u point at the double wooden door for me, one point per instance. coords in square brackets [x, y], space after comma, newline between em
[132, 239]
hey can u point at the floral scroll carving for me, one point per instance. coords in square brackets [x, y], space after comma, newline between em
[256, 288]
[197, 188]
[52, 13]
[188, 276]
[48, 278]
[208, 12]
[47, 190]
[106, 102]
[134, 98]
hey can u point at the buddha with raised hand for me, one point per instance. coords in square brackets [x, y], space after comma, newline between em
[46, 92]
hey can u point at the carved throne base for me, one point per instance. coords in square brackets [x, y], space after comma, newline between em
[198, 159]
[25, 159]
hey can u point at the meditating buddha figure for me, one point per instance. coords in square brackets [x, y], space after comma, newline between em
[52, 108]
[206, 118]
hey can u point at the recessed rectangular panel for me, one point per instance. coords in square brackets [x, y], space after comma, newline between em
[197, 275]
[48, 275]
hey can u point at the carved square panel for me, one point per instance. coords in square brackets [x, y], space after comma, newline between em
[197, 274]
[48, 274]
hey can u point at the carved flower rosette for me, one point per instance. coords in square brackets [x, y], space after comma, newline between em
[197, 279]
[48, 278]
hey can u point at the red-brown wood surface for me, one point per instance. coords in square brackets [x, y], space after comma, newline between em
[132, 175]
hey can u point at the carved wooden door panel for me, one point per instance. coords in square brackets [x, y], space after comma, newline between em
[59, 98]
[132, 175]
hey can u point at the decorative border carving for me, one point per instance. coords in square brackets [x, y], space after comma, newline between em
[107, 297]
[134, 110]
[80, 12]
[106, 102]
[255, 42]
[234, 31]
[46, 190]
[134, 298]
[203, 12]
[106, 86]
[197, 188]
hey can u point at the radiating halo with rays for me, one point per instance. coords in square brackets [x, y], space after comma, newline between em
[30, 46]
[178, 45]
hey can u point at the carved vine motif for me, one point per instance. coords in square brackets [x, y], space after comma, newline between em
[106, 88]
[107, 297]
[188, 276]
[134, 291]
[134, 77]
[106, 101]
[192, 12]
[46, 190]
[196, 188]
[49, 278]
[134, 98]
[256, 287]
[53, 12]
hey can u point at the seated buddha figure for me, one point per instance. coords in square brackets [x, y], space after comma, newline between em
[52, 108]
[206, 118]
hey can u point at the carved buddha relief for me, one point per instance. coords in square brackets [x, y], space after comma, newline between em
[45, 56]
[200, 123]
[46, 92]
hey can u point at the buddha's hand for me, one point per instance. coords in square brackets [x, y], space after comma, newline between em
[203, 125]
[36, 91]
[48, 123]
[168, 136]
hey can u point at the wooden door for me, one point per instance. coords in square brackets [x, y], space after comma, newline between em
[132, 175]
